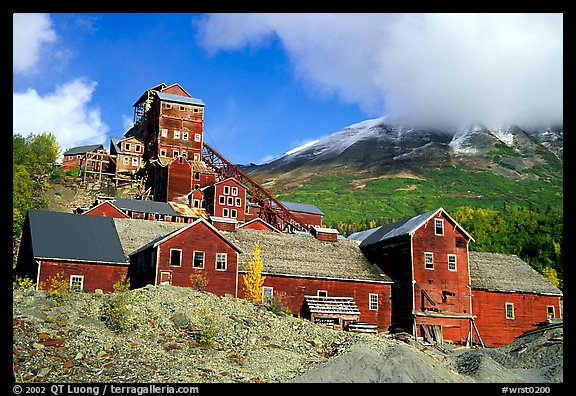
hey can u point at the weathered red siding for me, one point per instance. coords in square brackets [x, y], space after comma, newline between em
[258, 224]
[200, 237]
[440, 282]
[529, 309]
[179, 180]
[290, 292]
[308, 218]
[106, 209]
[96, 275]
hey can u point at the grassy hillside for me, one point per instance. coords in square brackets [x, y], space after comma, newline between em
[346, 198]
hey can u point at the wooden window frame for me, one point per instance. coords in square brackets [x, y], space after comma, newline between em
[180, 258]
[175, 153]
[134, 161]
[455, 262]
[230, 201]
[163, 152]
[426, 255]
[184, 135]
[267, 297]
[233, 213]
[509, 310]
[439, 223]
[127, 146]
[125, 160]
[196, 157]
[235, 191]
[225, 212]
[194, 259]
[138, 148]
[225, 255]
[76, 277]
[238, 202]
[373, 301]
[226, 190]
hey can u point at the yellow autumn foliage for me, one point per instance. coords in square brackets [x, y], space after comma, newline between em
[253, 279]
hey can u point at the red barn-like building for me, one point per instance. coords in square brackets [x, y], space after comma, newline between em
[427, 257]
[509, 297]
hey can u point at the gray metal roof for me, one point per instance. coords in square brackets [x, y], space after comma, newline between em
[144, 206]
[180, 99]
[302, 208]
[58, 235]
[507, 273]
[136, 233]
[82, 149]
[401, 228]
[361, 235]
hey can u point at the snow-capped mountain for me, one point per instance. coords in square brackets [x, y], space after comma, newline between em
[382, 146]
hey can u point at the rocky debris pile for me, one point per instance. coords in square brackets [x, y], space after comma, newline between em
[171, 334]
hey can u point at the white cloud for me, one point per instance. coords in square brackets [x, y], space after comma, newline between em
[456, 68]
[66, 113]
[30, 33]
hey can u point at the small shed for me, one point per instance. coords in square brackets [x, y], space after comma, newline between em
[335, 312]
[325, 234]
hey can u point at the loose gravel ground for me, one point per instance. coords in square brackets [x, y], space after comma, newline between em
[179, 335]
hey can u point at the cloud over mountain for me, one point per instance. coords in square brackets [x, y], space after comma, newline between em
[494, 69]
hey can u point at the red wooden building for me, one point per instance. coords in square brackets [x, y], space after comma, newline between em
[86, 250]
[427, 257]
[296, 266]
[191, 254]
[226, 202]
[125, 156]
[93, 157]
[509, 297]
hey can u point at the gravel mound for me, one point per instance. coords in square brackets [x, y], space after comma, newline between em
[180, 335]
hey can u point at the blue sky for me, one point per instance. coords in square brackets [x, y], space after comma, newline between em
[272, 82]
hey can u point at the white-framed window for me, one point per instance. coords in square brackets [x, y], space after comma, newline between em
[221, 199]
[226, 190]
[267, 294]
[196, 157]
[221, 261]
[230, 201]
[197, 137]
[163, 152]
[452, 262]
[233, 213]
[182, 108]
[168, 105]
[175, 153]
[197, 203]
[184, 135]
[225, 212]
[125, 160]
[176, 134]
[198, 261]
[509, 310]
[138, 148]
[164, 132]
[77, 282]
[127, 146]
[439, 226]
[373, 301]
[322, 293]
[134, 161]
[429, 260]
[234, 191]
[550, 311]
[175, 257]
[238, 202]
[184, 154]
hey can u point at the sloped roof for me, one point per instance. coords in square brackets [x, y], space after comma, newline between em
[361, 235]
[187, 211]
[404, 227]
[117, 146]
[507, 273]
[299, 255]
[83, 149]
[135, 233]
[302, 207]
[332, 305]
[67, 236]
[179, 99]
[144, 206]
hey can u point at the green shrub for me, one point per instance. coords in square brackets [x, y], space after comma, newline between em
[114, 313]
[23, 283]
